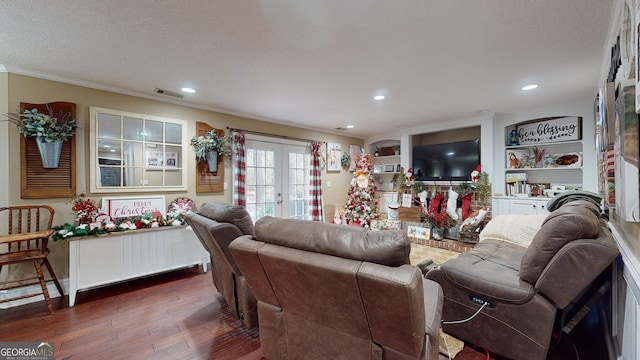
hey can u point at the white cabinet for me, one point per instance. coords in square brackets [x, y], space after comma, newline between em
[384, 198]
[528, 206]
[101, 260]
[520, 206]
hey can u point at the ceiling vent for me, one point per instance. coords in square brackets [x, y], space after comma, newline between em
[168, 93]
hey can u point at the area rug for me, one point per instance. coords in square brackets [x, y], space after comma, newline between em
[423, 252]
[448, 345]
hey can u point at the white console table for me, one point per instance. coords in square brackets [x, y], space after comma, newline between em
[106, 259]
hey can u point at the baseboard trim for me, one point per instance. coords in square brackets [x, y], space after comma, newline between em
[30, 289]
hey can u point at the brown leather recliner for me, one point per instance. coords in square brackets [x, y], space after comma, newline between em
[329, 291]
[525, 288]
[216, 225]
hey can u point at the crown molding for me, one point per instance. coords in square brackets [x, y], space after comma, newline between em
[117, 90]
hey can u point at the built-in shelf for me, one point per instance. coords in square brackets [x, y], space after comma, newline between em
[545, 169]
[562, 144]
[559, 167]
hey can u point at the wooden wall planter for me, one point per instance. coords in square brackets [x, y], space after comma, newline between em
[209, 181]
[37, 182]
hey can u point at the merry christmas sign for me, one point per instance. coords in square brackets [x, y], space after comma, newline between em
[129, 206]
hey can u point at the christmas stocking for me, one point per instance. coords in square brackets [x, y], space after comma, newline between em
[434, 204]
[466, 206]
[452, 204]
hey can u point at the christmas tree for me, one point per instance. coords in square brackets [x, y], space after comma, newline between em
[362, 205]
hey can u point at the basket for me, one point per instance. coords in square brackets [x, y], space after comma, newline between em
[471, 233]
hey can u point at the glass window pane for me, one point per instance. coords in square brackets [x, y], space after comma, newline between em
[250, 176]
[251, 209]
[260, 210]
[270, 177]
[109, 149]
[269, 194]
[153, 130]
[173, 156]
[251, 157]
[132, 129]
[269, 210]
[173, 177]
[132, 154]
[260, 162]
[132, 176]
[108, 126]
[260, 194]
[260, 179]
[250, 194]
[153, 178]
[173, 133]
[269, 159]
[110, 176]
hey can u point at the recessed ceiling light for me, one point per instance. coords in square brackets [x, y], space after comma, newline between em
[349, 126]
[529, 87]
[379, 97]
[113, 150]
[188, 90]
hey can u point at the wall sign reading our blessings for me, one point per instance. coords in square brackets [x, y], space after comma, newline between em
[550, 131]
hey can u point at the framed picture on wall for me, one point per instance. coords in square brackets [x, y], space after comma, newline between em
[354, 153]
[626, 157]
[334, 154]
[156, 160]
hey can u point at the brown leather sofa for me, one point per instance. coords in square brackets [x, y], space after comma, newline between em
[525, 288]
[329, 291]
[216, 225]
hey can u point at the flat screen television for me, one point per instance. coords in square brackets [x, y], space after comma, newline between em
[450, 161]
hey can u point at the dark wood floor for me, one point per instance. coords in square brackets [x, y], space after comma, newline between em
[177, 315]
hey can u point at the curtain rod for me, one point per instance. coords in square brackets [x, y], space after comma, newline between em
[273, 135]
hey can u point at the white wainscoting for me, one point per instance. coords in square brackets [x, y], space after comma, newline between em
[103, 260]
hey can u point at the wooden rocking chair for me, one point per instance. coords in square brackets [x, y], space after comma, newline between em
[28, 232]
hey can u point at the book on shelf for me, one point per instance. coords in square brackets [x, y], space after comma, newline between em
[517, 188]
[512, 177]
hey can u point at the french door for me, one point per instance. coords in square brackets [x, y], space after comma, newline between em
[277, 180]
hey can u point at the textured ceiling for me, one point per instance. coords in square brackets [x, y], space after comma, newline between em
[317, 64]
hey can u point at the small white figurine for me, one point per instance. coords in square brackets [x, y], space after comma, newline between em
[336, 216]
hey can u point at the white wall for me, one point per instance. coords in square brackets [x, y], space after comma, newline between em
[487, 134]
